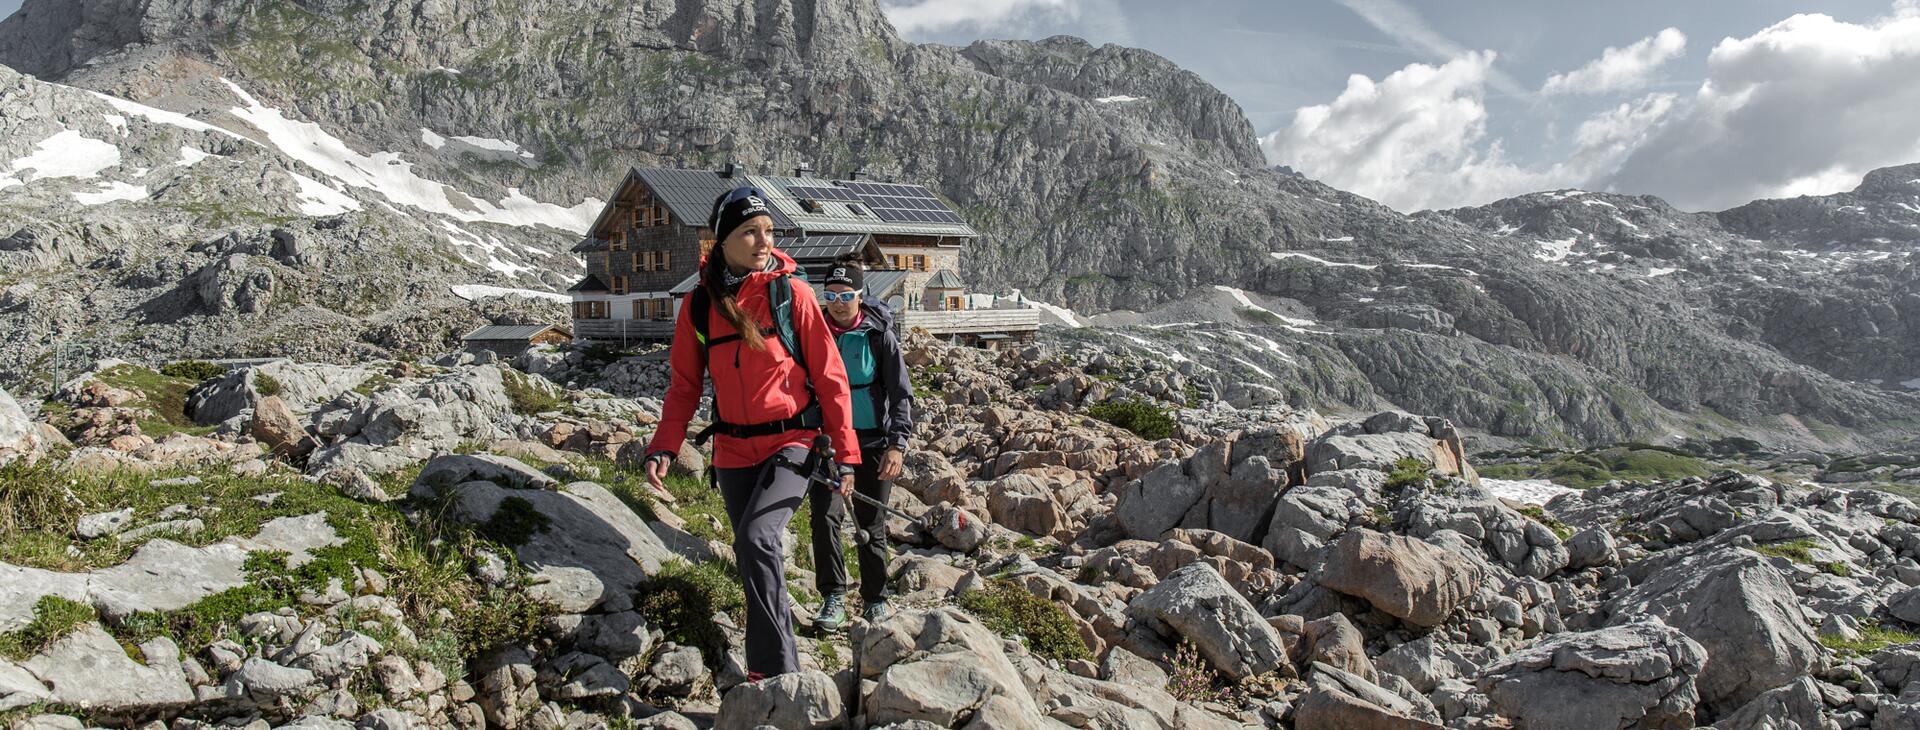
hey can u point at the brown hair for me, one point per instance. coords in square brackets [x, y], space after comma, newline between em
[714, 278]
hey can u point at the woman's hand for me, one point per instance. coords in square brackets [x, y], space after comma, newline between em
[890, 465]
[656, 474]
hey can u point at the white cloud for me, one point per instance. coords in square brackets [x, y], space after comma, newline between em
[1404, 24]
[1620, 69]
[929, 16]
[1806, 106]
[1418, 139]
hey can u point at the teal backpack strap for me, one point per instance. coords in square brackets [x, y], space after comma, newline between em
[780, 302]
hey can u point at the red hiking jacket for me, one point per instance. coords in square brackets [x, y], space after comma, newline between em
[752, 386]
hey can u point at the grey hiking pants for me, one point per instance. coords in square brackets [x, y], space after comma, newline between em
[830, 520]
[759, 515]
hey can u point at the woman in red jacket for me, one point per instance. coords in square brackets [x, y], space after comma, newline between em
[768, 405]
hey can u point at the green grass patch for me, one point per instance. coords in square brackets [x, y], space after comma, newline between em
[1407, 472]
[1010, 610]
[166, 397]
[1535, 513]
[1798, 551]
[1873, 637]
[53, 618]
[682, 599]
[198, 371]
[267, 385]
[1144, 419]
[527, 397]
[1592, 468]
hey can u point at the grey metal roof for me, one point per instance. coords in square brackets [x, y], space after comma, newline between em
[689, 194]
[590, 244]
[686, 285]
[837, 216]
[819, 248]
[946, 279]
[590, 284]
[515, 332]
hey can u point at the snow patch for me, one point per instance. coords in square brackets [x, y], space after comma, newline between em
[1342, 239]
[1293, 323]
[472, 292]
[1061, 315]
[492, 149]
[119, 122]
[488, 245]
[1555, 250]
[393, 178]
[190, 156]
[67, 154]
[1284, 255]
[161, 116]
[1660, 271]
[1599, 202]
[317, 199]
[1525, 491]
[432, 140]
[1121, 99]
[1913, 384]
[112, 191]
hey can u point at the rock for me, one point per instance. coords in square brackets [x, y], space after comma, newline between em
[263, 682]
[1590, 548]
[1905, 605]
[351, 654]
[1638, 675]
[615, 637]
[88, 668]
[19, 438]
[1740, 609]
[956, 528]
[1420, 662]
[102, 524]
[1029, 504]
[1797, 705]
[50, 722]
[666, 721]
[274, 425]
[456, 469]
[1338, 700]
[593, 548]
[397, 678]
[1126, 667]
[676, 671]
[507, 692]
[577, 676]
[1157, 501]
[1196, 603]
[937, 667]
[1406, 578]
[1334, 641]
[801, 701]
[19, 688]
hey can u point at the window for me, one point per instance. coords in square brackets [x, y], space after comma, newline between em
[811, 206]
[620, 285]
[640, 309]
[589, 310]
[641, 261]
[919, 263]
[618, 242]
[662, 309]
[956, 303]
[855, 209]
[657, 216]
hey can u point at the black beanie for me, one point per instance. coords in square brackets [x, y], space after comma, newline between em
[850, 274]
[735, 207]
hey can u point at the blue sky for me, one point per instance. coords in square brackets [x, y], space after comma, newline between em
[1439, 103]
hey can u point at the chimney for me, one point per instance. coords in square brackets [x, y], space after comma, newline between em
[729, 171]
[856, 174]
[803, 171]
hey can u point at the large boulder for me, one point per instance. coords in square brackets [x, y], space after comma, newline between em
[1340, 700]
[1197, 604]
[938, 667]
[275, 426]
[1740, 609]
[1797, 706]
[1157, 501]
[18, 437]
[1638, 675]
[583, 545]
[1406, 578]
[801, 701]
[88, 668]
[303, 386]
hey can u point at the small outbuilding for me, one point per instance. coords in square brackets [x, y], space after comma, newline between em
[509, 340]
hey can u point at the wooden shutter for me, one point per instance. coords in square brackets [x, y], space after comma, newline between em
[666, 260]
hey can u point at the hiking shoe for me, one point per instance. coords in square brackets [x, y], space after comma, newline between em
[877, 611]
[833, 612]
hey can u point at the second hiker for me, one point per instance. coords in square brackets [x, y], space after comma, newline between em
[882, 403]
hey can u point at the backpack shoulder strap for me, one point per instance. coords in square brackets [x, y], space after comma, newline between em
[700, 307]
[780, 303]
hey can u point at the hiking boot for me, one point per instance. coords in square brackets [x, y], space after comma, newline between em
[877, 611]
[833, 613]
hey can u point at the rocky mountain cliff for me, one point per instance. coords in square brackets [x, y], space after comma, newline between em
[1105, 179]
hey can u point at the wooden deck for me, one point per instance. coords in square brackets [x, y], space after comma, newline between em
[622, 330]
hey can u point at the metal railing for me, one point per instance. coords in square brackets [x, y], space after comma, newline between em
[968, 321]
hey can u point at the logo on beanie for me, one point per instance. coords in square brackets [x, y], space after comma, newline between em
[754, 204]
[840, 273]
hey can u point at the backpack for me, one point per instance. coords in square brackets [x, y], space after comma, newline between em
[780, 303]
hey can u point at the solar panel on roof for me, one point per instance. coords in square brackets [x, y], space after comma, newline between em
[823, 193]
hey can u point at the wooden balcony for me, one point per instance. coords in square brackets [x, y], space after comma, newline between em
[970, 321]
[622, 330]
